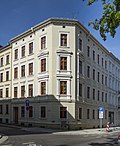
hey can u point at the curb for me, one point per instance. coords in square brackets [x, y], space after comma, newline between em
[12, 126]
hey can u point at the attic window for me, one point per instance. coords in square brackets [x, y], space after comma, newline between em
[63, 26]
[16, 43]
[23, 39]
[42, 29]
[30, 36]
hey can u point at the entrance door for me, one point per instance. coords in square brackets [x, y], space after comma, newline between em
[15, 110]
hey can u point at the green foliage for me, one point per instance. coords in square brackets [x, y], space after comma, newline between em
[110, 19]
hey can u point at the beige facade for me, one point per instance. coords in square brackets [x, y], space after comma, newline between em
[60, 77]
[5, 83]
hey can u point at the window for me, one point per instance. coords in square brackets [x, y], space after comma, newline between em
[88, 113]
[43, 112]
[93, 55]
[1, 61]
[7, 59]
[105, 64]
[23, 71]
[30, 90]
[7, 92]
[98, 113]
[7, 109]
[98, 77]
[106, 80]
[63, 87]
[16, 54]
[63, 112]
[43, 88]
[63, 63]
[102, 96]
[88, 92]
[7, 75]
[1, 93]
[15, 92]
[102, 62]
[1, 109]
[105, 114]
[43, 42]
[16, 73]
[80, 89]
[22, 111]
[106, 97]
[93, 94]
[88, 51]
[102, 79]
[22, 91]
[43, 65]
[98, 58]
[88, 71]
[80, 44]
[80, 67]
[80, 113]
[1, 77]
[63, 41]
[23, 51]
[30, 111]
[93, 74]
[31, 48]
[93, 114]
[98, 95]
[30, 68]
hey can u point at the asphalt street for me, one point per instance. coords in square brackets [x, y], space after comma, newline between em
[18, 137]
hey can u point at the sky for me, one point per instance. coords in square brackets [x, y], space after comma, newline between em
[17, 16]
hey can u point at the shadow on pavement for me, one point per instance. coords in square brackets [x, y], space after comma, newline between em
[110, 142]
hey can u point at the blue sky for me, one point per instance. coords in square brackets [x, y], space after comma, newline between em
[16, 16]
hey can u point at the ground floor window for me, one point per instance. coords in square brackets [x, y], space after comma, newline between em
[63, 112]
[80, 113]
[1, 109]
[7, 109]
[23, 111]
[30, 111]
[88, 113]
[43, 112]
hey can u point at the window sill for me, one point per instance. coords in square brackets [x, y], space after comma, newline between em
[64, 47]
[43, 49]
[43, 118]
[31, 75]
[16, 60]
[31, 54]
[23, 57]
[23, 77]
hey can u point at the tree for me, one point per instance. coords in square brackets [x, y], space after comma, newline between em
[110, 19]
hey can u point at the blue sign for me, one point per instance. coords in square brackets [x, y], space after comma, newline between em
[27, 104]
[101, 109]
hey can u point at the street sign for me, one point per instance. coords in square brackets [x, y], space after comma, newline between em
[101, 110]
[27, 104]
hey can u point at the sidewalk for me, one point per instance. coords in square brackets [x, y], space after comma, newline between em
[75, 132]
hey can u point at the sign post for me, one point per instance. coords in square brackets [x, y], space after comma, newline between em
[27, 104]
[27, 109]
[101, 110]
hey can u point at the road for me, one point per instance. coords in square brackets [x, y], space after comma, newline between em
[18, 137]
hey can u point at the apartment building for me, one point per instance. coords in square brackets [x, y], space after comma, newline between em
[60, 76]
[5, 83]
